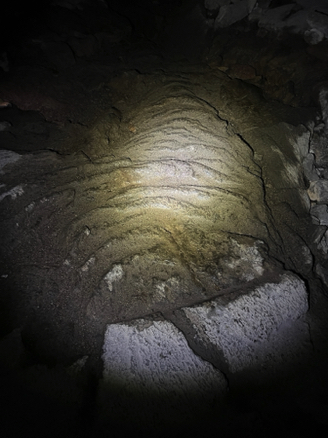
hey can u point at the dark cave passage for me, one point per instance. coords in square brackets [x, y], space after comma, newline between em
[164, 218]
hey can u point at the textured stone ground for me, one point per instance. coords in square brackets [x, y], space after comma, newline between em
[163, 252]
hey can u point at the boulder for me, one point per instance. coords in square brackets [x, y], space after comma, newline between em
[260, 330]
[154, 358]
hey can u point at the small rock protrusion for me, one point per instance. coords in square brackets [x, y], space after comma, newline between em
[318, 191]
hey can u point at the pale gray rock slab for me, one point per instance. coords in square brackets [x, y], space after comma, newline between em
[153, 357]
[318, 191]
[259, 330]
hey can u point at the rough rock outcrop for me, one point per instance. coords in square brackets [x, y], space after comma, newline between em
[261, 330]
[153, 358]
[300, 17]
[164, 222]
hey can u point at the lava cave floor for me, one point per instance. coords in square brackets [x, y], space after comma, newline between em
[130, 193]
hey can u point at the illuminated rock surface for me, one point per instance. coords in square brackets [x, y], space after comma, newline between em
[263, 329]
[163, 217]
[178, 208]
[153, 357]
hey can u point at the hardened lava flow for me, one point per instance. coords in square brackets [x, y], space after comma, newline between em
[173, 213]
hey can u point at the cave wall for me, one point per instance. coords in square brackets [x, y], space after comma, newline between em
[164, 216]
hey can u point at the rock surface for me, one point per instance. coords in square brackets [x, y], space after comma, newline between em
[318, 191]
[164, 217]
[262, 330]
[153, 357]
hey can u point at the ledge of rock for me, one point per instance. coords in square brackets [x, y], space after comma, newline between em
[261, 330]
[164, 217]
